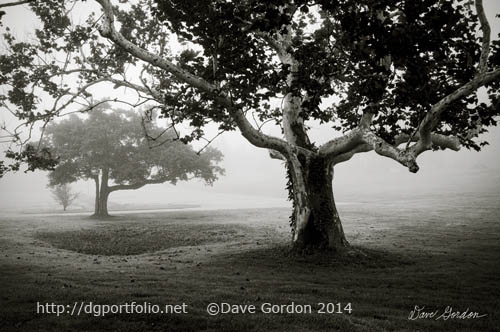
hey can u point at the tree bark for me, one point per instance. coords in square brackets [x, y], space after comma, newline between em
[316, 223]
[102, 205]
[96, 205]
[101, 195]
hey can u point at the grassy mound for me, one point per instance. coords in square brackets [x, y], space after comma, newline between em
[138, 239]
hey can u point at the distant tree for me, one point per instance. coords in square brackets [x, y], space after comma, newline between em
[112, 148]
[63, 195]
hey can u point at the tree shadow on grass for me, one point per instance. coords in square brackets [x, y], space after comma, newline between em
[382, 285]
[362, 257]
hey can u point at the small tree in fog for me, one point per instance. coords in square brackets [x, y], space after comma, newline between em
[63, 195]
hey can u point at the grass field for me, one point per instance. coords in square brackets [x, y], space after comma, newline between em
[430, 251]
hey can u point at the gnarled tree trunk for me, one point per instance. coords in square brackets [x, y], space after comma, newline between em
[315, 222]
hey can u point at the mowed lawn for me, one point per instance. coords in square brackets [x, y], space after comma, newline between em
[432, 252]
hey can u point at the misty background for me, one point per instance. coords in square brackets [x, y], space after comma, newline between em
[254, 180]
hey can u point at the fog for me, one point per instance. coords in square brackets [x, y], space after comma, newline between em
[254, 180]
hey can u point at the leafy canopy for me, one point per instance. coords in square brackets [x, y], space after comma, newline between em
[392, 58]
[395, 60]
[116, 141]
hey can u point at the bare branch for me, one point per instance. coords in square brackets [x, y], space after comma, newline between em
[387, 150]
[442, 141]
[485, 28]
[342, 144]
[348, 155]
[56, 110]
[149, 91]
[209, 141]
[370, 142]
[17, 3]
[137, 185]
[276, 155]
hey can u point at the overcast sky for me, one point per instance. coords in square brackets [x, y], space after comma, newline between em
[253, 179]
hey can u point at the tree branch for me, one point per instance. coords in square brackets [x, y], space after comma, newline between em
[347, 149]
[485, 28]
[293, 123]
[341, 144]
[11, 4]
[432, 117]
[123, 83]
[276, 155]
[443, 141]
[348, 155]
[108, 31]
[136, 185]
[387, 150]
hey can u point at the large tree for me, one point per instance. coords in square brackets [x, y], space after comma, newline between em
[397, 77]
[120, 150]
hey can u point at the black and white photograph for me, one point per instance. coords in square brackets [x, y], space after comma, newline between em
[253, 165]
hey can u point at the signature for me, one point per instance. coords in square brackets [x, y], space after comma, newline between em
[448, 313]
